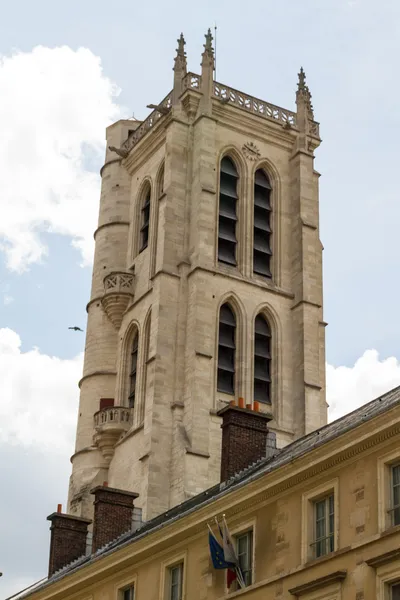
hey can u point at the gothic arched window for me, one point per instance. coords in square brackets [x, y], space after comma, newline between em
[262, 360]
[226, 350]
[133, 371]
[227, 218]
[145, 219]
[262, 225]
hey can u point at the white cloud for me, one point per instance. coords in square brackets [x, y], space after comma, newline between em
[351, 387]
[7, 299]
[55, 105]
[39, 397]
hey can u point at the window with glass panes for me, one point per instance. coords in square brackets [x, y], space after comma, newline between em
[395, 506]
[227, 217]
[244, 549]
[226, 350]
[128, 593]
[132, 374]
[145, 221]
[175, 582]
[324, 522]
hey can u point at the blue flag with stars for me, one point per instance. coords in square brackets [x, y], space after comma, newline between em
[217, 553]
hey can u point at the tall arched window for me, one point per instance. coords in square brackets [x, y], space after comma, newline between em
[228, 196]
[133, 371]
[262, 225]
[262, 360]
[226, 350]
[145, 220]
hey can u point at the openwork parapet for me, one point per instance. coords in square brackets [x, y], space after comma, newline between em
[254, 105]
[147, 124]
[113, 415]
[191, 81]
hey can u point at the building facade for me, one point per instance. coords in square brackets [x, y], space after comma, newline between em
[206, 288]
[317, 520]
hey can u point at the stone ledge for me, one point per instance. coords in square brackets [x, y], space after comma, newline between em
[316, 584]
[383, 559]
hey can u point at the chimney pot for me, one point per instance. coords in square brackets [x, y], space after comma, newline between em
[113, 511]
[244, 438]
[241, 402]
[59, 508]
[248, 407]
[256, 406]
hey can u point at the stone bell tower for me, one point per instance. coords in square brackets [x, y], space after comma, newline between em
[206, 288]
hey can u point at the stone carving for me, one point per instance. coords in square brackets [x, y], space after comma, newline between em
[110, 423]
[259, 107]
[251, 151]
[147, 124]
[118, 291]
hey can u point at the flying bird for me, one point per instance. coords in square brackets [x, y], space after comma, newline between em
[75, 328]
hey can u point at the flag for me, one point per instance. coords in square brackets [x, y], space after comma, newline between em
[230, 554]
[217, 553]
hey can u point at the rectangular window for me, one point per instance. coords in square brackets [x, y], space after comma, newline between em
[128, 593]
[395, 503]
[324, 523]
[244, 549]
[395, 592]
[175, 582]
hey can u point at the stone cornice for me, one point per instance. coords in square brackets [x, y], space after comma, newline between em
[147, 146]
[95, 374]
[383, 559]
[238, 277]
[317, 584]
[109, 162]
[248, 124]
[110, 224]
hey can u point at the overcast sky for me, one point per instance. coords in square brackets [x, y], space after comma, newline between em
[67, 70]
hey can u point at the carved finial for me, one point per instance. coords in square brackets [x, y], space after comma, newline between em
[302, 79]
[209, 38]
[180, 51]
[208, 54]
[304, 94]
[180, 58]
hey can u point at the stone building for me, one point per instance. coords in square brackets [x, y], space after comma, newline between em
[316, 520]
[203, 394]
[207, 288]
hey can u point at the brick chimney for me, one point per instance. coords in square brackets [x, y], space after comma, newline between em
[244, 437]
[67, 539]
[113, 511]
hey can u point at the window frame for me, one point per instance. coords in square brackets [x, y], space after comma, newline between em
[130, 581]
[387, 576]
[166, 567]
[308, 519]
[385, 492]
[236, 532]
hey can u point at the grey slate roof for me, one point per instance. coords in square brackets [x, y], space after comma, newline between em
[264, 466]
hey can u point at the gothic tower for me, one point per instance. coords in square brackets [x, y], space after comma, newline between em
[207, 287]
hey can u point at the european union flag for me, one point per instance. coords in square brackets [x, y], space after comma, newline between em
[217, 553]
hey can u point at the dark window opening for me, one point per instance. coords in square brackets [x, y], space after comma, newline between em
[227, 218]
[262, 360]
[145, 222]
[226, 350]
[262, 249]
[132, 374]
